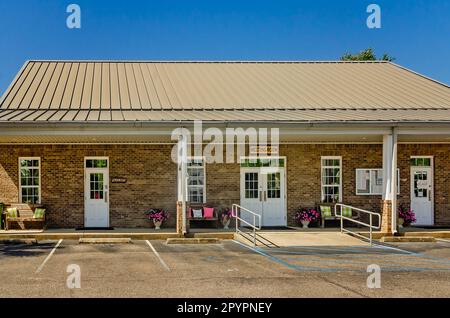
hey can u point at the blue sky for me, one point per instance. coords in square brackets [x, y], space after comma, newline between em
[415, 32]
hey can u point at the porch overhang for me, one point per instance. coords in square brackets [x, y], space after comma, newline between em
[161, 133]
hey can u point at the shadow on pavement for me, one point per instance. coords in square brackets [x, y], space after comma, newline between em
[14, 249]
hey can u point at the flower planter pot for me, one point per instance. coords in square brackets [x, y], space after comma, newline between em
[226, 224]
[157, 224]
[305, 224]
[400, 222]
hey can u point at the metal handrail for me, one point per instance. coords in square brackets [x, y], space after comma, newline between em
[235, 208]
[369, 225]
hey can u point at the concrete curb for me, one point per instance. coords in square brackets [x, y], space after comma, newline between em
[435, 234]
[131, 235]
[210, 240]
[405, 239]
[121, 240]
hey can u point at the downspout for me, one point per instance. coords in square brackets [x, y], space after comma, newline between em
[394, 177]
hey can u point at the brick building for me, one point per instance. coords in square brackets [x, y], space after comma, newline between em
[93, 140]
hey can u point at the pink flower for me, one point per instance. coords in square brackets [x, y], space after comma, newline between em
[310, 215]
[407, 215]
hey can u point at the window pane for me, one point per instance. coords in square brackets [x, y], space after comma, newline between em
[29, 180]
[273, 185]
[251, 185]
[262, 162]
[196, 180]
[100, 163]
[331, 179]
[362, 181]
[377, 181]
[25, 173]
[195, 195]
[29, 163]
[420, 162]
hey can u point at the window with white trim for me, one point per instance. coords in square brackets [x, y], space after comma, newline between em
[370, 181]
[331, 182]
[30, 180]
[196, 180]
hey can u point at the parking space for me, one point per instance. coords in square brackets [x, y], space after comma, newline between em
[230, 269]
[403, 258]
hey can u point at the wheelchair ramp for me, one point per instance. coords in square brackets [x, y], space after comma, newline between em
[290, 238]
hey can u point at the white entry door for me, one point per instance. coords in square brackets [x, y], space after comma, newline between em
[422, 194]
[251, 193]
[263, 192]
[96, 207]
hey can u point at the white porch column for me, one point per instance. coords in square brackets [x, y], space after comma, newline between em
[389, 204]
[182, 153]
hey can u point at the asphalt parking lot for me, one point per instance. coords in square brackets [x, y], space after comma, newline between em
[229, 269]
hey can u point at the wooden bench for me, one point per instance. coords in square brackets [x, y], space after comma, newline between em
[190, 217]
[25, 214]
[332, 216]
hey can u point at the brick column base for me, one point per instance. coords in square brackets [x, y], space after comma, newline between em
[386, 216]
[179, 218]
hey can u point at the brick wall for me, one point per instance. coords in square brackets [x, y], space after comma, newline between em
[303, 176]
[303, 173]
[441, 153]
[151, 179]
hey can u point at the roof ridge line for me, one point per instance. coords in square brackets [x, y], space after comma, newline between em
[209, 61]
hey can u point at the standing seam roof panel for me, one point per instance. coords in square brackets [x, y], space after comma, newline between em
[15, 86]
[31, 93]
[106, 87]
[125, 102]
[114, 90]
[17, 100]
[70, 86]
[132, 88]
[42, 90]
[79, 87]
[141, 88]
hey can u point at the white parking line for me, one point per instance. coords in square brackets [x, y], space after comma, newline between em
[48, 257]
[390, 247]
[158, 256]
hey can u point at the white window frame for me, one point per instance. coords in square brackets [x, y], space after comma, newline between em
[96, 158]
[196, 186]
[423, 157]
[322, 186]
[20, 177]
[370, 180]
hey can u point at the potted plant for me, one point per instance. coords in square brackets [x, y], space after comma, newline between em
[305, 216]
[157, 216]
[225, 217]
[406, 216]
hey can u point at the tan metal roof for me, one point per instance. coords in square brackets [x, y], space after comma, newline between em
[68, 91]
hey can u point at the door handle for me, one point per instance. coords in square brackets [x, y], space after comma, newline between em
[429, 195]
[265, 196]
[260, 195]
[106, 196]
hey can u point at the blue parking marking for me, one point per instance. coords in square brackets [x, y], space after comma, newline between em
[295, 258]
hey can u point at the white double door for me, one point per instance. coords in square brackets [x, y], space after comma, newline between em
[422, 194]
[263, 192]
[96, 197]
